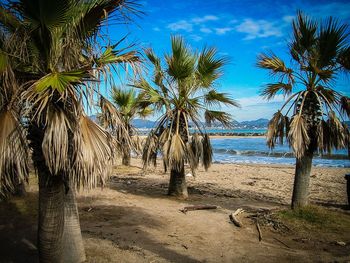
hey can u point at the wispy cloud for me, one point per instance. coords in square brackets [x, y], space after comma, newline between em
[258, 29]
[206, 30]
[181, 25]
[199, 20]
[223, 30]
[156, 28]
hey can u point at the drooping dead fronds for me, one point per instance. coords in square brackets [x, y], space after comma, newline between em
[176, 154]
[194, 152]
[298, 135]
[13, 153]
[207, 156]
[336, 137]
[277, 129]
[93, 151]
[150, 150]
[55, 142]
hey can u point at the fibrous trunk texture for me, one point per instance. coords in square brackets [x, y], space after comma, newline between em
[126, 157]
[72, 241]
[303, 166]
[177, 184]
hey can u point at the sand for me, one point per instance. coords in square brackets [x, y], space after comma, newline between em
[132, 219]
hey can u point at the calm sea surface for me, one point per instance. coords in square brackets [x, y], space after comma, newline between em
[254, 150]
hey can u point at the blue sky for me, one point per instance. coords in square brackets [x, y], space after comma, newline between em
[240, 30]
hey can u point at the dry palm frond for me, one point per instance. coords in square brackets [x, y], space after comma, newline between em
[336, 137]
[298, 135]
[321, 132]
[277, 129]
[177, 152]
[55, 142]
[150, 150]
[345, 105]
[207, 156]
[194, 152]
[13, 153]
[93, 151]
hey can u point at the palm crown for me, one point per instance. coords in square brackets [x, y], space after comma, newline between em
[182, 89]
[50, 64]
[319, 52]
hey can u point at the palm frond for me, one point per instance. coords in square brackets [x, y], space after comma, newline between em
[13, 153]
[298, 135]
[222, 117]
[207, 155]
[275, 65]
[209, 66]
[93, 151]
[278, 128]
[214, 98]
[272, 89]
[150, 149]
[55, 142]
[345, 105]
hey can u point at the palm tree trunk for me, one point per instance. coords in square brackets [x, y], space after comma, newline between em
[126, 158]
[51, 217]
[73, 247]
[177, 184]
[303, 166]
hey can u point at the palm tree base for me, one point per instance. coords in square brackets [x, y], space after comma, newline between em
[177, 184]
[303, 166]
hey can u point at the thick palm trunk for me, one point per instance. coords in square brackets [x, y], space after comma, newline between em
[51, 218]
[303, 166]
[177, 184]
[126, 158]
[73, 247]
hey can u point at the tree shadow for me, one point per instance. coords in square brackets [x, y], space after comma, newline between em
[18, 229]
[124, 226]
[199, 193]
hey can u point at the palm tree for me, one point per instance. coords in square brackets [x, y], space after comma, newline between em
[182, 88]
[313, 117]
[129, 104]
[51, 59]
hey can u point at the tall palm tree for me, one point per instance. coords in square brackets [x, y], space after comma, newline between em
[312, 117]
[182, 88]
[51, 60]
[129, 104]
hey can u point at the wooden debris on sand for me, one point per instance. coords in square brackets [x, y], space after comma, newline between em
[197, 207]
[233, 217]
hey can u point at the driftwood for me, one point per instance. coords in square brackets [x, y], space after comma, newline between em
[197, 207]
[259, 230]
[234, 219]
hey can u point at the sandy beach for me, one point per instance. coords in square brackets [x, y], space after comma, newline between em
[133, 220]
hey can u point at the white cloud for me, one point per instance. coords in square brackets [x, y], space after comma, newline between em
[205, 30]
[258, 29]
[255, 107]
[199, 20]
[181, 25]
[156, 28]
[223, 30]
[196, 38]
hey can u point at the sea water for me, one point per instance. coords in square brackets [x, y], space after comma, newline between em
[252, 150]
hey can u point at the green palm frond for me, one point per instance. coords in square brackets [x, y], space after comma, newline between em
[220, 116]
[60, 80]
[344, 58]
[214, 98]
[209, 67]
[275, 65]
[181, 62]
[332, 38]
[272, 89]
[8, 19]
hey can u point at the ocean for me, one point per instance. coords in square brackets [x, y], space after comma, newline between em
[253, 150]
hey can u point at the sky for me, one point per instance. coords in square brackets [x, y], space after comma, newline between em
[239, 30]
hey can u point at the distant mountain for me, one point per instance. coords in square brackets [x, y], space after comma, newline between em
[140, 123]
[256, 124]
